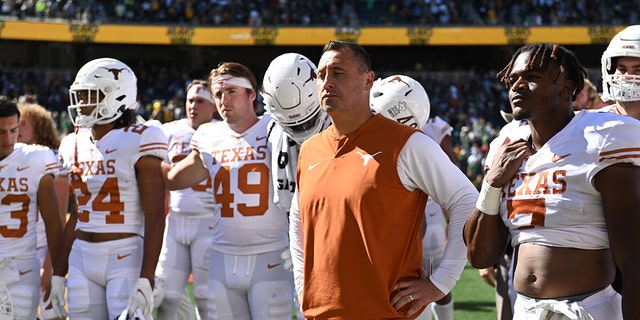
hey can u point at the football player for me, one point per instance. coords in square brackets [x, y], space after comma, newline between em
[405, 100]
[191, 213]
[621, 72]
[38, 127]
[246, 275]
[114, 234]
[290, 96]
[564, 190]
[621, 81]
[27, 189]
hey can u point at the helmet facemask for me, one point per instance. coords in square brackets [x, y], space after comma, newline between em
[99, 115]
[617, 86]
[306, 128]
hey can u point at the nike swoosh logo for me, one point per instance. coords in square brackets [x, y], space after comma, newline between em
[120, 257]
[109, 151]
[260, 138]
[271, 266]
[22, 273]
[211, 227]
[557, 158]
[145, 299]
[432, 214]
[22, 169]
[311, 166]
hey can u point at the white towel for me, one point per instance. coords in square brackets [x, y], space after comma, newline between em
[284, 161]
[550, 309]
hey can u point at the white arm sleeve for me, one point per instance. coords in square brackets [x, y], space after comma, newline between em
[296, 240]
[423, 165]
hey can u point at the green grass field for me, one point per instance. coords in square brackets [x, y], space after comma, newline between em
[473, 299]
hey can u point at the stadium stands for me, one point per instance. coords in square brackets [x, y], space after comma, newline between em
[329, 12]
[469, 99]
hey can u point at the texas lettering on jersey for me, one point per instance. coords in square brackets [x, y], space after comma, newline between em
[239, 154]
[179, 147]
[12, 184]
[97, 167]
[524, 205]
[546, 182]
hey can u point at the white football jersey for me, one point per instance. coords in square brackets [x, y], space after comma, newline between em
[42, 236]
[436, 128]
[552, 200]
[20, 175]
[197, 200]
[107, 192]
[249, 222]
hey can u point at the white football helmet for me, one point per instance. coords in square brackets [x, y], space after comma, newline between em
[108, 81]
[125, 315]
[401, 98]
[290, 96]
[621, 87]
[6, 304]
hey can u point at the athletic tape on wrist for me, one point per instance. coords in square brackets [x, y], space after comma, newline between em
[489, 199]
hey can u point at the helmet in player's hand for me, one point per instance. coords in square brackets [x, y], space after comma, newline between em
[290, 96]
[621, 87]
[125, 315]
[6, 304]
[401, 98]
[107, 84]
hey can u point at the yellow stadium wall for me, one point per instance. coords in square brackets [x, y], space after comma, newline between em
[289, 36]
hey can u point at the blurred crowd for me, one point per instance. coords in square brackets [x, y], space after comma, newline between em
[350, 13]
[470, 104]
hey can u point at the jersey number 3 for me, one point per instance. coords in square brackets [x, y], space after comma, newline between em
[18, 214]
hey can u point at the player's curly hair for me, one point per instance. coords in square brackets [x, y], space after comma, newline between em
[45, 132]
[544, 55]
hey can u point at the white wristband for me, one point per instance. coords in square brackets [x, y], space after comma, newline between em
[489, 199]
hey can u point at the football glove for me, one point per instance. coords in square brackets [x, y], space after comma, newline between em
[58, 286]
[288, 262]
[141, 299]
